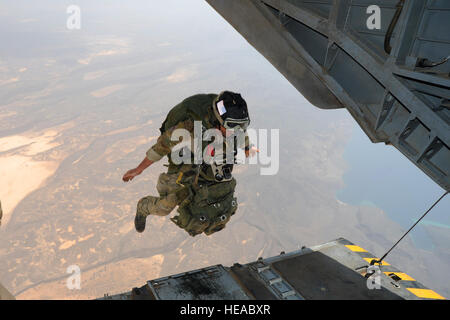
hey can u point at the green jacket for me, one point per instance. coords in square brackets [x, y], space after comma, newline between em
[209, 204]
[182, 116]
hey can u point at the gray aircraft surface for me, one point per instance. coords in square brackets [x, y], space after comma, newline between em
[337, 270]
[385, 61]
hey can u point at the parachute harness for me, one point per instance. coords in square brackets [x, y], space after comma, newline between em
[379, 261]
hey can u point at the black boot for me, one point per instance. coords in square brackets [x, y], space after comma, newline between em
[143, 210]
[139, 222]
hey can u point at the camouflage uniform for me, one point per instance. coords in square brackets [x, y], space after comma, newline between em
[171, 193]
[171, 186]
[170, 196]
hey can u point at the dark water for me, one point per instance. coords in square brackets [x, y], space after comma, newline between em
[379, 175]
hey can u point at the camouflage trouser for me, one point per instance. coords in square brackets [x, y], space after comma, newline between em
[169, 197]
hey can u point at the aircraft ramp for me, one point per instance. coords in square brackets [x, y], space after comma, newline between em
[333, 271]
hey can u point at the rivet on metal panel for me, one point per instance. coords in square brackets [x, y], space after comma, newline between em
[261, 269]
[276, 280]
[211, 272]
[288, 293]
[157, 285]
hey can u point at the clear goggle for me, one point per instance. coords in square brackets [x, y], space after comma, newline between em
[236, 124]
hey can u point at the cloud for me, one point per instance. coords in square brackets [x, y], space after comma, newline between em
[93, 75]
[182, 74]
[8, 81]
[106, 91]
[105, 47]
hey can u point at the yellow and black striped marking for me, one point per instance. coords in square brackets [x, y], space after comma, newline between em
[425, 293]
[399, 276]
[407, 281]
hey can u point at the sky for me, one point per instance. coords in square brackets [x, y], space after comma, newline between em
[379, 175]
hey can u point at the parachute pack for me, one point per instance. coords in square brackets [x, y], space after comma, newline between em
[208, 208]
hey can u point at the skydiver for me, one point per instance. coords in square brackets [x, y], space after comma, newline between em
[204, 192]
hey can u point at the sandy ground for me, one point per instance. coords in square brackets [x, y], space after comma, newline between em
[21, 173]
[95, 282]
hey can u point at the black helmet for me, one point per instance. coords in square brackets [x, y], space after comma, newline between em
[231, 110]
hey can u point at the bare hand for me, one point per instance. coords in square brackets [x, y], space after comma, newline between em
[251, 152]
[130, 174]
